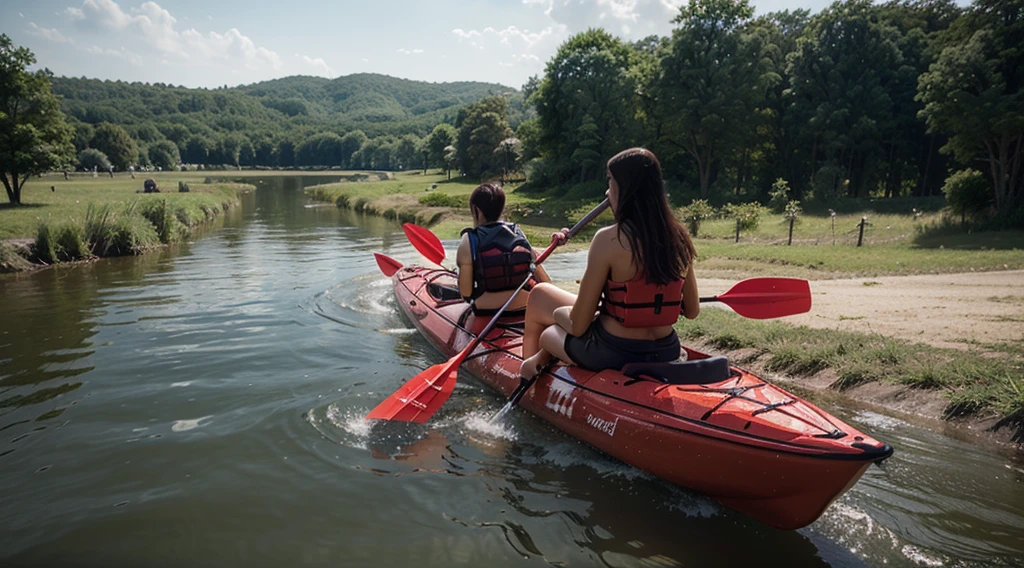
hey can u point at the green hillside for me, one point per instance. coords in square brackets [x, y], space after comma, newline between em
[378, 105]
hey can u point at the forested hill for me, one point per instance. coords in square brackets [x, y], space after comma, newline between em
[376, 104]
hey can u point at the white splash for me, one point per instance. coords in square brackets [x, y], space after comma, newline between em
[920, 558]
[353, 422]
[480, 421]
[181, 384]
[188, 424]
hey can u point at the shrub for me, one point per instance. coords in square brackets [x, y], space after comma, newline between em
[748, 214]
[694, 213]
[444, 200]
[165, 220]
[778, 197]
[967, 193]
[45, 248]
[71, 242]
[91, 157]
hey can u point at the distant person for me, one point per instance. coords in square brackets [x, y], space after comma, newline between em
[111, 171]
[131, 170]
[494, 257]
[65, 173]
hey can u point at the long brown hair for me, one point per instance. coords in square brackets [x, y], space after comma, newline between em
[660, 245]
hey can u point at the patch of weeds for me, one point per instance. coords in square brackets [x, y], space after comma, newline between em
[799, 361]
[850, 318]
[728, 341]
[872, 283]
[46, 248]
[858, 374]
[72, 243]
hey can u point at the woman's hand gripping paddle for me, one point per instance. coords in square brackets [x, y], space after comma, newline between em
[423, 395]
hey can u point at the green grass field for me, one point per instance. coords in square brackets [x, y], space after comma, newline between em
[893, 244]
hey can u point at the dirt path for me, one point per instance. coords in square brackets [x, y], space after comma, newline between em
[948, 310]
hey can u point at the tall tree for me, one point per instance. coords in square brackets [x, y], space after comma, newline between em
[840, 76]
[117, 144]
[481, 127]
[441, 137]
[33, 134]
[711, 81]
[975, 92]
[588, 82]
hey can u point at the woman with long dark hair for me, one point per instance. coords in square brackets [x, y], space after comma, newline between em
[638, 280]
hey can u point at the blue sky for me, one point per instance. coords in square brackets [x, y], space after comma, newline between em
[230, 42]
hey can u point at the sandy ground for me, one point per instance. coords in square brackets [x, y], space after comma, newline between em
[948, 310]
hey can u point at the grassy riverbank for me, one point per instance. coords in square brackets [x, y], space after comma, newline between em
[893, 243]
[85, 217]
[971, 385]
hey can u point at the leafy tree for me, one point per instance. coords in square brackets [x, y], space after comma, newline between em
[34, 137]
[839, 77]
[116, 143]
[83, 135]
[164, 154]
[968, 194]
[197, 150]
[92, 158]
[406, 152]
[776, 151]
[451, 160]
[975, 92]
[324, 149]
[481, 127]
[351, 142]
[586, 99]
[711, 81]
[510, 152]
[286, 153]
[441, 137]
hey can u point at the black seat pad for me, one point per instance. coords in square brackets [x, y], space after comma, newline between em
[696, 372]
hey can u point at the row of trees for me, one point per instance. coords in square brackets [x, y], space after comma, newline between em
[859, 100]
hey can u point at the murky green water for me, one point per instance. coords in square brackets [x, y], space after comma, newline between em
[202, 407]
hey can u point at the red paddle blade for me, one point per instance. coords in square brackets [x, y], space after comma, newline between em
[764, 298]
[387, 265]
[425, 242]
[421, 397]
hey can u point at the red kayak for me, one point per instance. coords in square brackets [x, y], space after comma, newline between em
[701, 424]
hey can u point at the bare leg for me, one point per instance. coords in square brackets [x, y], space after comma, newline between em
[552, 343]
[540, 309]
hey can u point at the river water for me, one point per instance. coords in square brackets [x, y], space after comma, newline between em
[201, 406]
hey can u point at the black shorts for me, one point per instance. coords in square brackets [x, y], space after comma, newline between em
[598, 350]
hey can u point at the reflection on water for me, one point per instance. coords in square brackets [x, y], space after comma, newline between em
[203, 406]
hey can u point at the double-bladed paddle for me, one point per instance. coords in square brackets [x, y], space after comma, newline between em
[425, 242]
[423, 395]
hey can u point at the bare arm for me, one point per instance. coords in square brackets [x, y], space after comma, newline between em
[591, 285]
[464, 258]
[691, 300]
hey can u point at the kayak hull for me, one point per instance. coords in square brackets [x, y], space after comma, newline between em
[746, 443]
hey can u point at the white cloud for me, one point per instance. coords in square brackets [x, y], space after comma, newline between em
[48, 33]
[120, 53]
[151, 29]
[632, 18]
[404, 51]
[507, 35]
[317, 64]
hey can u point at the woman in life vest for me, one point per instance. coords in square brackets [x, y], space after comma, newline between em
[638, 280]
[494, 257]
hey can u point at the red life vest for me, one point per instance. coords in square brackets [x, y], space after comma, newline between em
[501, 257]
[638, 304]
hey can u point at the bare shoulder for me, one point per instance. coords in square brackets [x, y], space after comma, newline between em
[462, 255]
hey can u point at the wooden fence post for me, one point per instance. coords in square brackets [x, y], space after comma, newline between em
[860, 237]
